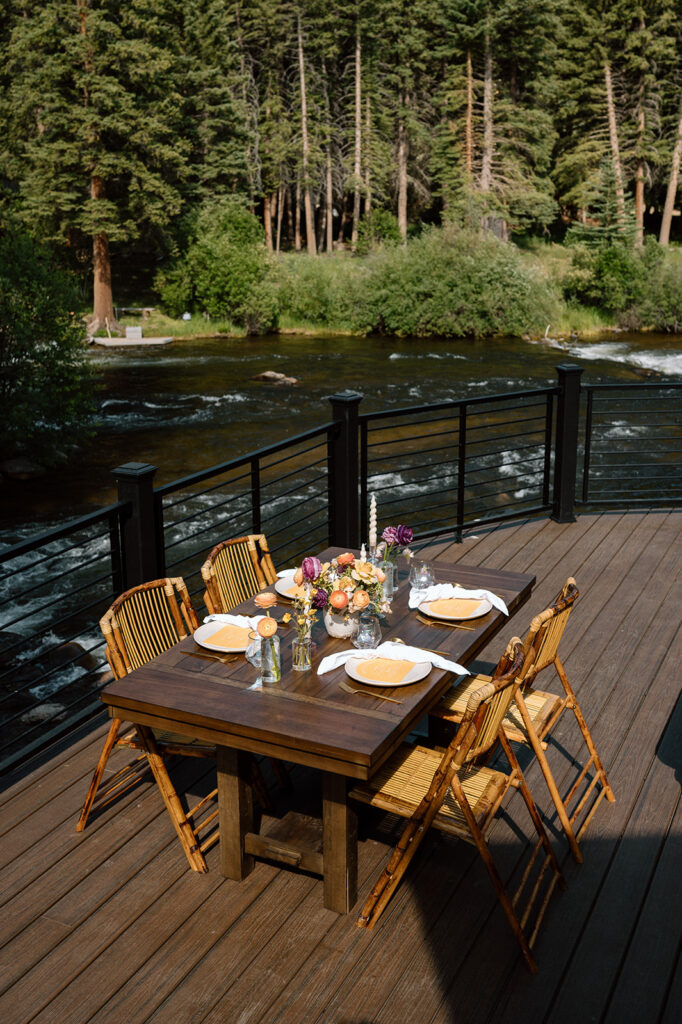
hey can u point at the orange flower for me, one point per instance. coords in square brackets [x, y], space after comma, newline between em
[360, 599]
[345, 583]
[345, 559]
[338, 599]
[298, 577]
[267, 627]
[266, 600]
[380, 574]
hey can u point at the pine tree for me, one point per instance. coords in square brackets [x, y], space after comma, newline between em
[95, 124]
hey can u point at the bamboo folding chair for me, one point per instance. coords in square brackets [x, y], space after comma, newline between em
[457, 794]
[236, 570]
[534, 713]
[141, 624]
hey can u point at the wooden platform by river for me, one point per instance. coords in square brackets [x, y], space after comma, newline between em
[110, 924]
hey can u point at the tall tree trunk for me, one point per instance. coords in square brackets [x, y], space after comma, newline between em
[664, 236]
[357, 165]
[103, 301]
[488, 135]
[402, 167]
[613, 138]
[469, 122]
[297, 215]
[267, 221]
[280, 211]
[368, 162]
[307, 200]
[329, 201]
[328, 181]
[290, 218]
[639, 175]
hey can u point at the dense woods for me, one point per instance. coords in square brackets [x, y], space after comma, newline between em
[338, 124]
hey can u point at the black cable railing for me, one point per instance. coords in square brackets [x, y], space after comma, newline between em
[441, 468]
[632, 445]
[55, 587]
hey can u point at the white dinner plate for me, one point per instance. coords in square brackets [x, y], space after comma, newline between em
[204, 633]
[417, 672]
[483, 607]
[284, 584]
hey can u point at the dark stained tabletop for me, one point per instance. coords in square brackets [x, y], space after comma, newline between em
[306, 718]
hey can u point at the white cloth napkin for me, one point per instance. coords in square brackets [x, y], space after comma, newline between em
[396, 652]
[243, 621]
[442, 591]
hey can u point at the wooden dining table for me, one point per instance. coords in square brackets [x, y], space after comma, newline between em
[305, 719]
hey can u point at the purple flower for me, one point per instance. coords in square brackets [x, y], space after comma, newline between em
[404, 535]
[397, 536]
[320, 598]
[390, 535]
[311, 568]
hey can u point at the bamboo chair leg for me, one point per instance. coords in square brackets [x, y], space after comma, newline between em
[170, 798]
[549, 779]
[587, 735]
[109, 743]
[487, 859]
[532, 810]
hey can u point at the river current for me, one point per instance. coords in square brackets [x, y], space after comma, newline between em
[195, 403]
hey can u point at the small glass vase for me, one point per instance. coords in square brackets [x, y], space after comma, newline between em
[389, 583]
[302, 654]
[270, 660]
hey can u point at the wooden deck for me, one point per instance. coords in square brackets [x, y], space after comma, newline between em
[110, 925]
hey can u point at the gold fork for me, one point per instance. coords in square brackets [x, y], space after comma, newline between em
[443, 625]
[211, 657]
[377, 696]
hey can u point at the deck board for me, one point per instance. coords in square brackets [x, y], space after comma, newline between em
[110, 924]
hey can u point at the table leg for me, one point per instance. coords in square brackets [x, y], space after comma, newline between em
[340, 845]
[235, 812]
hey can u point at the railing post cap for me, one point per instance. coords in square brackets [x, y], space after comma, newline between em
[135, 469]
[348, 397]
[569, 368]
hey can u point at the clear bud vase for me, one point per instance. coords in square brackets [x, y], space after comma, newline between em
[302, 653]
[270, 660]
[389, 582]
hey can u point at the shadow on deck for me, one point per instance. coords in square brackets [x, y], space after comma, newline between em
[110, 924]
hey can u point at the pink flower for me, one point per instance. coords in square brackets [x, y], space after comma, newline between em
[311, 568]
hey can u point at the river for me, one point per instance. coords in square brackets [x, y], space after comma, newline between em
[195, 403]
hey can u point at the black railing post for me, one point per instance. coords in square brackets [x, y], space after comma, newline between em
[142, 535]
[344, 477]
[566, 450]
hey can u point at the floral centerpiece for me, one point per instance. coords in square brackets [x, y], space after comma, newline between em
[341, 589]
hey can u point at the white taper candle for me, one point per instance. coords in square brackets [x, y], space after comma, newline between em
[372, 524]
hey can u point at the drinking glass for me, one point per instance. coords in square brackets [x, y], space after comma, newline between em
[368, 633]
[421, 575]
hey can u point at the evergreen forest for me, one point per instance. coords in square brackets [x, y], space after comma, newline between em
[254, 159]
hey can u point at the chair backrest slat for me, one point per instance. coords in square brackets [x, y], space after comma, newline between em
[146, 621]
[542, 642]
[236, 570]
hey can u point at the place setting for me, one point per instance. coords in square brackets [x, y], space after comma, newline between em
[392, 663]
[448, 605]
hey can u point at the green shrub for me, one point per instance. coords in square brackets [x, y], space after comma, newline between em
[380, 228]
[322, 290]
[45, 384]
[227, 271]
[661, 304]
[456, 283]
